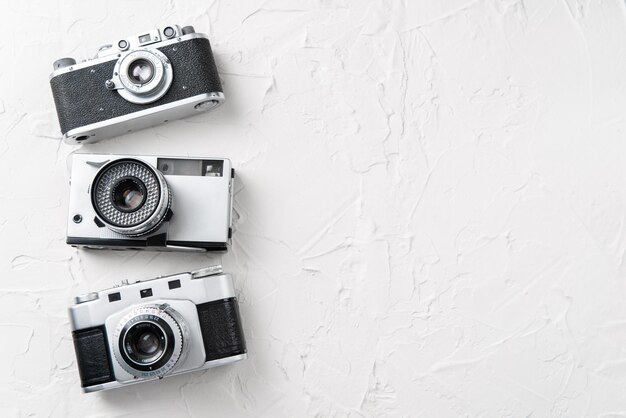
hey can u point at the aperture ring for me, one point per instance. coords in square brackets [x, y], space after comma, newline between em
[166, 318]
[143, 219]
[155, 88]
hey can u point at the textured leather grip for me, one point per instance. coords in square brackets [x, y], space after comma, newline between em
[82, 99]
[221, 329]
[94, 361]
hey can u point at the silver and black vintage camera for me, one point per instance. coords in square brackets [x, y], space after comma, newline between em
[150, 202]
[136, 82]
[156, 328]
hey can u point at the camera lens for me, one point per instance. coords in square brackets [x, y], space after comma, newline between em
[145, 343]
[130, 197]
[140, 71]
[150, 340]
[129, 194]
[145, 75]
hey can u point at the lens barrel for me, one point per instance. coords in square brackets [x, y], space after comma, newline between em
[145, 74]
[147, 345]
[130, 197]
[149, 341]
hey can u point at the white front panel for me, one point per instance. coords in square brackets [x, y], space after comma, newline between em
[200, 208]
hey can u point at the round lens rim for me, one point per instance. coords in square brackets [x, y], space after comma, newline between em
[148, 92]
[168, 317]
[142, 190]
[154, 362]
[152, 219]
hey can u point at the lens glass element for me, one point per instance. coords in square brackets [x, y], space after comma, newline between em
[140, 71]
[129, 194]
[144, 343]
[148, 343]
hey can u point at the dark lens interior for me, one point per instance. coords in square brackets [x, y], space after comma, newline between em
[145, 342]
[140, 71]
[129, 194]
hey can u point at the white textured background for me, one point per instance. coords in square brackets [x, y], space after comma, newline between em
[431, 208]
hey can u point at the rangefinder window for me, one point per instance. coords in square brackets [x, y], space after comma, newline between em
[186, 167]
[144, 38]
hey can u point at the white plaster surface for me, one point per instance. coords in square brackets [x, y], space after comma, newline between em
[431, 208]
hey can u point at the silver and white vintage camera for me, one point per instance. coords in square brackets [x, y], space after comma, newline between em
[156, 328]
[150, 202]
[135, 82]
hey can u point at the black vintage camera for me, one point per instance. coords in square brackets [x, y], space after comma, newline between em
[156, 328]
[136, 82]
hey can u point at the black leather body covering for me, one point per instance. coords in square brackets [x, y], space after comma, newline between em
[92, 354]
[81, 98]
[221, 329]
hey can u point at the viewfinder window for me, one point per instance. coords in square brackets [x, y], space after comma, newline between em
[144, 38]
[190, 167]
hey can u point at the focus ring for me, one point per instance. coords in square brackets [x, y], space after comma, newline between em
[165, 317]
[147, 216]
[154, 88]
